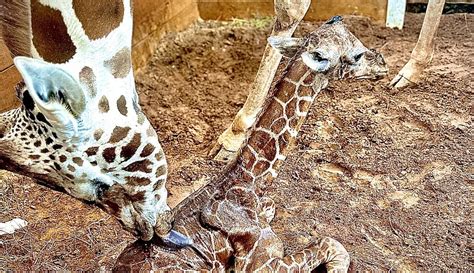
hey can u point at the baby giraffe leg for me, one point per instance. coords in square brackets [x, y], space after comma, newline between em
[326, 251]
[423, 51]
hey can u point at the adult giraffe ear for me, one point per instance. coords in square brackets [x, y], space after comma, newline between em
[57, 95]
[287, 47]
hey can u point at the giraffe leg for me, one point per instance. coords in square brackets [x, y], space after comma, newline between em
[423, 51]
[326, 251]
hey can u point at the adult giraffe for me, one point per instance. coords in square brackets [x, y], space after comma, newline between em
[80, 128]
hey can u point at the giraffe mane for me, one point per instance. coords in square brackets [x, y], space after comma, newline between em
[15, 26]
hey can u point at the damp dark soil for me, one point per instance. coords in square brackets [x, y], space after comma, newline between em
[389, 173]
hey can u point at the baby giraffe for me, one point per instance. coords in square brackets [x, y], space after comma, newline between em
[229, 219]
[80, 128]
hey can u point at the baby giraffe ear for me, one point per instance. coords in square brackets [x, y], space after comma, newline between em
[287, 47]
[57, 95]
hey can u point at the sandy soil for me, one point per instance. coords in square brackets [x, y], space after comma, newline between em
[388, 173]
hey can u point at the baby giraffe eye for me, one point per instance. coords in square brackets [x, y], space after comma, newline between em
[358, 57]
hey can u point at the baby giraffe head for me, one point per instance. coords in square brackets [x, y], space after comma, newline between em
[333, 50]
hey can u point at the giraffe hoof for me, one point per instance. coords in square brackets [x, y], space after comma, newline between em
[399, 82]
[176, 240]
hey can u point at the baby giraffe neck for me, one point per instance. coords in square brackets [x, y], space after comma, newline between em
[278, 125]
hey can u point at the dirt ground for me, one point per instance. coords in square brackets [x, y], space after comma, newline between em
[389, 173]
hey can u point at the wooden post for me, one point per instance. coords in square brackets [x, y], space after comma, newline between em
[396, 13]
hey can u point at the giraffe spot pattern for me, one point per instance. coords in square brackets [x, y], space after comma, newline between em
[91, 151]
[98, 134]
[87, 77]
[78, 161]
[129, 150]
[118, 134]
[120, 64]
[138, 181]
[109, 154]
[139, 166]
[98, 18]
[104, 105]
[147, 150]
[161, 171]
[50, 36]
[122, 105]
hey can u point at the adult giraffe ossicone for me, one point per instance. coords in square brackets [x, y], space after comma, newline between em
[229, 219]
[80, 127]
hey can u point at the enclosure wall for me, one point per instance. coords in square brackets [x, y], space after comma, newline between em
[319, 10]
[152, 19]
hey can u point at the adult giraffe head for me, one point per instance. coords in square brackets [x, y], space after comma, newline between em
[80, 127]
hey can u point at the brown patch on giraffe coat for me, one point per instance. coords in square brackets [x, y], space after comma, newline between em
[78, 161]
[87, 77]
[258, 140]
[34, 157]
[50, 36]
[122, 105]
[161, 171]
[139, 166]
[274, 111]
[160, 155]
[137, 181]
[309, 80]
[137, 197]
[118, 134]
[305, 91]
[120, 64]
[91, 151]
[147, 150]
[260, 167]
[150, 131]
[278, 125]
[290, 108]
[98, 18]
[98, 134]
[62, 158]
[269, 150]
[304, 106]
[158, 185]
[297, 71]
[140, 118]
[71, 168]
[131, 148]
[247, 158]
[104, 105]
[284, 141]
[286, 91]
[109, 154]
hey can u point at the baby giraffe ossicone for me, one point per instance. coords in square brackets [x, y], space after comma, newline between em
[229, 219]
[80, 128]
